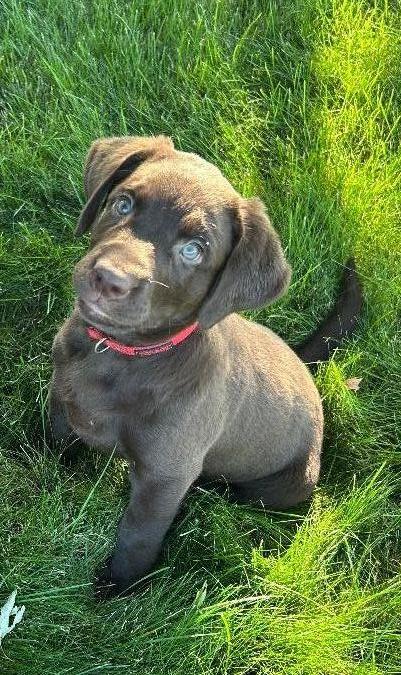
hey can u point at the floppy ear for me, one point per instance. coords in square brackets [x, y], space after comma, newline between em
[108, 162]
[256, 271]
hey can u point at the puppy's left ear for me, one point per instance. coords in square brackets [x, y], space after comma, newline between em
[109, 161]
[256, 271]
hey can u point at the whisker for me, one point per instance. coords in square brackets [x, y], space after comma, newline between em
[154, 281]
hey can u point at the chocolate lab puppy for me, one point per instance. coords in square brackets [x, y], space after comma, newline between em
[155, 363]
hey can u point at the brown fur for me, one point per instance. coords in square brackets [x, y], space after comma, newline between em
[233, 402]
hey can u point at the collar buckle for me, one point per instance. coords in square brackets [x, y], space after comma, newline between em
[97, 345]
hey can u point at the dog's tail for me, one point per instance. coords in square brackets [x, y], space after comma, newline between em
[339, 323]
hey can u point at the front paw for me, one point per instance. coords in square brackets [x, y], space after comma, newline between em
[109, 583]
[58, 428]
[67, 450]
[104, 585]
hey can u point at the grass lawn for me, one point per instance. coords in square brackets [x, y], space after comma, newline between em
[298, 102]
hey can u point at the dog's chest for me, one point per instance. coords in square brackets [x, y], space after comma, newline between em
[103, 397]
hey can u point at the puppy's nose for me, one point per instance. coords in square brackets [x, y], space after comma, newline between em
[110, 282]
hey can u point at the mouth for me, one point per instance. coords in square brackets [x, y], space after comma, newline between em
[92, 314]
[91, 311]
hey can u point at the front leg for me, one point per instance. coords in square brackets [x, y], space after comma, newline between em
[59, 434]
[154, 501]
[59, 427]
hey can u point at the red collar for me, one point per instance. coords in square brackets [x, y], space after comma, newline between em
[143, 350]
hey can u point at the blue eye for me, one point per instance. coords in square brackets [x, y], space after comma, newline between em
[192, 251]
[124, 205]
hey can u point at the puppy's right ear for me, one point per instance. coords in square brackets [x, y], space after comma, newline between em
[108, 162]
[256, 271]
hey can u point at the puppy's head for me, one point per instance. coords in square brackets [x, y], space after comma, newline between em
[172, 241]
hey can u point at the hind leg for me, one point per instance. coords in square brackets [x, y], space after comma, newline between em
[281, 490]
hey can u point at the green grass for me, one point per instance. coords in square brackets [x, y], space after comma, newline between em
[299, 102]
